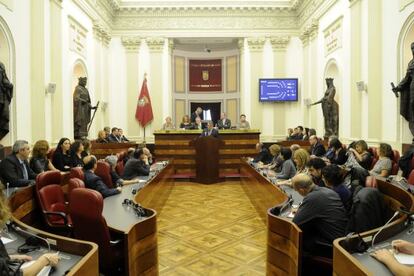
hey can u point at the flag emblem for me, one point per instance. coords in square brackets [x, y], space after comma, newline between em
[205, 75]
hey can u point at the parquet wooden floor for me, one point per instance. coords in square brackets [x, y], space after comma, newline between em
[210, 230]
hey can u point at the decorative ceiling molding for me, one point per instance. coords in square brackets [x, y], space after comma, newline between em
[279, 42]
[155, 44]
[131, 43]
[256, 43]
[101, 33]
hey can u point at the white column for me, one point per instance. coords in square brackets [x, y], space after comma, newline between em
[59, 105]
[304, 92]
[279, 44]
[156, 83]
[244, 79]
[256, 72]
[132, 46]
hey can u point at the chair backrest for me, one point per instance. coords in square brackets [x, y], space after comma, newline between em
[395, 168]
[47, 178]
[74, 183]
[51, 153]
[77, 172]
[396, 156]
[52, 199]
[411, 178]
[103, 170]
[374, 152]
[88, 223]
[120, 167]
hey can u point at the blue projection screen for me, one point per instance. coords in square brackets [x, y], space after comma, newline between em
[278, 90]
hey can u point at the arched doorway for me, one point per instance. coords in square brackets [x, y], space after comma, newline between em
[7, 57]
[404, 56]
[332, 71]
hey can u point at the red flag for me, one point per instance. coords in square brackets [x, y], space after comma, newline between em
[143, 113]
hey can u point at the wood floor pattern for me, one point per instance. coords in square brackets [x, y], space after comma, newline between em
[210, 230]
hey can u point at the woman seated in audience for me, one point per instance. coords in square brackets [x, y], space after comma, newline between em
[301, 158]
[168, 125]
[116, 179]
[305, 134]
[61, 158]
[332, 177]
[336, 153]
[361, 153]
[87, 146]
[9, 261]
[76, 150]
[387, 258]
[288, 167]
[39, 162]
[277, 160]
[186, 123]
[384, 164]
[102, 137]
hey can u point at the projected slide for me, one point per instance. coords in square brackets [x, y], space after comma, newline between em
[278, 90]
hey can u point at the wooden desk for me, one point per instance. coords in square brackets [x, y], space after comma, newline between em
[140, 234]
[87, 251]
[103, 150]
[345, 263]
[284, 238]
[176, 145]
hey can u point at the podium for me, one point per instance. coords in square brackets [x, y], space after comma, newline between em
[207, 159]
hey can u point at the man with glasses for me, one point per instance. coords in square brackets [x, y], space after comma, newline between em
[15, 169]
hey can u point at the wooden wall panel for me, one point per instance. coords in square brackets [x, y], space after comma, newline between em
[231, 74]
[232, 114]
[179, 72]
[179, 112]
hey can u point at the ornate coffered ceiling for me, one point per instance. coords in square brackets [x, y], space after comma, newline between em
[205, 18]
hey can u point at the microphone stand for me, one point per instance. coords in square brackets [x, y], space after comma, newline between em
[382, 228]
[18, 229]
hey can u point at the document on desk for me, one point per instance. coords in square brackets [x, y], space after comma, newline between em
[44, 272]
[404, 258]
[6, 240]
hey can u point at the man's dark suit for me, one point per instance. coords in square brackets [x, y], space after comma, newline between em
[113, 139]
[94, 182]
[134, 168]
[12, 172]
[318, 150]
[214, 132]
[225, 125]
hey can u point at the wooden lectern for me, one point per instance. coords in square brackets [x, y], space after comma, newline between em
[207, 159]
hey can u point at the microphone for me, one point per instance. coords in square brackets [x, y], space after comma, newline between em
[17, 228]
[382, 228]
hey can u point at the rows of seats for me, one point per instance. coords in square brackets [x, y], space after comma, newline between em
[83, 221]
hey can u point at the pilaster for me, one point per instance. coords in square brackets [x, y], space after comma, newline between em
[132, 46]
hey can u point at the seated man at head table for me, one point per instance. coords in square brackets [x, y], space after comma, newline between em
[15, 169]
[94, 182]
[197, 124]
[321, 216]
[223, 123]
[9, 264]
[243, 124]
[210, 130]
[387, 257]
[136, 166]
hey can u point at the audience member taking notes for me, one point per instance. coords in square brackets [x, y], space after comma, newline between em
[390, 260]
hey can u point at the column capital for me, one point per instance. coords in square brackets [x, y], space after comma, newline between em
[100, 33]
[240, 44]
[256, 43]
[155, 44]
[170, 45]
[304, 37]
[353, 2]
[309, 32]
[57, 2]
[279, 43]
[131, 43]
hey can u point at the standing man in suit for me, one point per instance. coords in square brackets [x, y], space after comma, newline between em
[197, 113]
[210, 130]
[223, 123]
[113, 137]
[15, 169]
